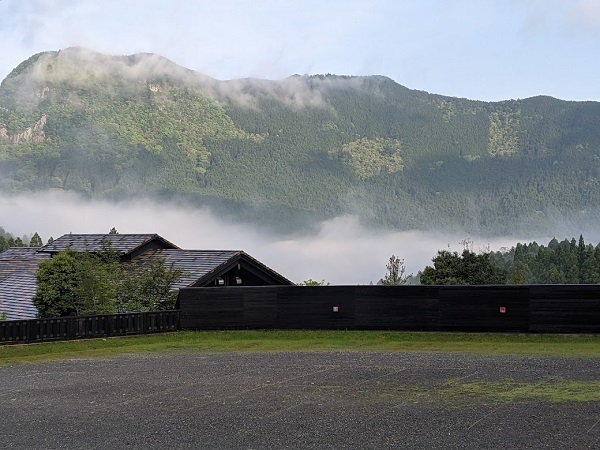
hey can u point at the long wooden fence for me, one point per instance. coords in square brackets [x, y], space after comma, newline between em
[84, 327]
[531, 308]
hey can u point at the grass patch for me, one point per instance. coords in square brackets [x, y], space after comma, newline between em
[509, 391]
[586, 346]
[455, 393]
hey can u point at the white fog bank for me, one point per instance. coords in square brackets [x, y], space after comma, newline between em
[340, 251]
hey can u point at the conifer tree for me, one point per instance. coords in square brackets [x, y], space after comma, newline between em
[35, 241]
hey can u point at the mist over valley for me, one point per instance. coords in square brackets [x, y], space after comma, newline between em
[339, 251]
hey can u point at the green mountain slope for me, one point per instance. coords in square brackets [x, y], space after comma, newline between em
[306, 146]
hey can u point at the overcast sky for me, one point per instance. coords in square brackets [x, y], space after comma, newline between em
[478, 49]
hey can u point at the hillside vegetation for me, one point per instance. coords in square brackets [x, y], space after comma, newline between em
[302, 147]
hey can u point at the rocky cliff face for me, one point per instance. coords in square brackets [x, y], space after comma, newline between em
[33, 134]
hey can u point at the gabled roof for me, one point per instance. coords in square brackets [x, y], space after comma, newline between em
[18, 284]
[203, 266]
[18, 266]
[123, 244]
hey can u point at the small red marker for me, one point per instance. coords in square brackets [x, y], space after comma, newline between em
[502, 309]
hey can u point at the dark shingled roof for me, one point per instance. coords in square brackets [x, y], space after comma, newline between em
[200, 265]
[195, 263]
[120, 243]
[21, 253]
[18, 266]
[18, 284]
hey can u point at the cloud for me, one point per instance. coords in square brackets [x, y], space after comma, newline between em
[565, 19]
[77, 63]
[341, 250]
[587, 13]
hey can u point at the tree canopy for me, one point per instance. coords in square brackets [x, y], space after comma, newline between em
[81, 283]
[58, 281]
[395, 272]
[467, 268]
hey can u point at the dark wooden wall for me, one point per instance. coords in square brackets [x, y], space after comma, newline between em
[555, 308]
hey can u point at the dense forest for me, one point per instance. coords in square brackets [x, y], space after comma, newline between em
[303, 148]
[565, 262]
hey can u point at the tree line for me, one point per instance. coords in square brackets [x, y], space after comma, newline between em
[565, 262]
[7, 240]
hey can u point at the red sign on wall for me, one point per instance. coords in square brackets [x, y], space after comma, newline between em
[502, 309]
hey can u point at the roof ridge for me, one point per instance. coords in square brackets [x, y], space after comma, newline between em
[197, 250]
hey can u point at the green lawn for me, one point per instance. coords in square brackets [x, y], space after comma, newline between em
[585, 346]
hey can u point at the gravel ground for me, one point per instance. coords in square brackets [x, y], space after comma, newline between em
[338, 400]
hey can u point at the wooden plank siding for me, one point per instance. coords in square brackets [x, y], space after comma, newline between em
[532, 308]
[221, 309]
[565, 309]
[478, 308]
[260, 308]
[385, 307]
[316, 307]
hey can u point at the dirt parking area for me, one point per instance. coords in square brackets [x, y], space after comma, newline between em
[337, 400]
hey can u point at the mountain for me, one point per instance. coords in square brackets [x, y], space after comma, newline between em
[279, 152]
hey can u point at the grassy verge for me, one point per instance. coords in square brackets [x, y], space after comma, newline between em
[586, 346]
[454, 392]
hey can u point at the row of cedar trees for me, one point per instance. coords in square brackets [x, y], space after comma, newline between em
[7, 241]
[566, 262]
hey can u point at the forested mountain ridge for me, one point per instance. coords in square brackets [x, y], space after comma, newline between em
[120, 127]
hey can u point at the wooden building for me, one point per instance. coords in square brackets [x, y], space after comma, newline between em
[201, 268]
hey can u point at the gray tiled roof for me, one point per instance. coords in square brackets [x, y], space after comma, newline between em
[120, 243]
[195, 264]
[18, 267]
[21, 253]
[16, 297]
[200, 265]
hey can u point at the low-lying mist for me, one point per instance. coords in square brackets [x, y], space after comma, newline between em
[340, 251]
